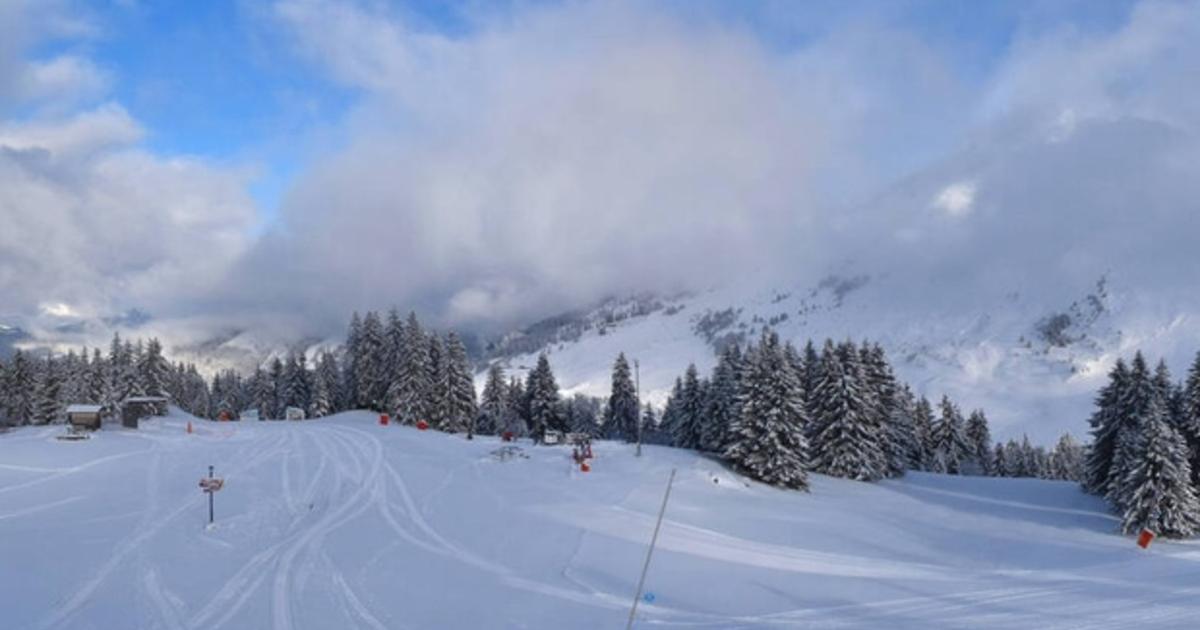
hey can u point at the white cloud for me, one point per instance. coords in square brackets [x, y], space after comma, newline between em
[956, 200]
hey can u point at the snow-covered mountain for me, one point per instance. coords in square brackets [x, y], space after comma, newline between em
[1034, 367]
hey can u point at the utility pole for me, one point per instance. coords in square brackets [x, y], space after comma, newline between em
[649, 552]
[637, 379]
[210, 498]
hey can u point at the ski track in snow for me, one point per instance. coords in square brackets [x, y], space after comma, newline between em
[334, 478]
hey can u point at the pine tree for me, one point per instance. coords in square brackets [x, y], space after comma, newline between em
[670, 414]
[949, 440]
[153, 369]
[768, 441]
[621, 414]
[1160, 496]
[410, 393]
[1066, 462]
[1190, 418]
[542, 391]
[458, 387]
[1106, 425]
[923, 443]
[325, 386]
[720, 410]
[846, 442]
[891, 426]
[47, 406]
[1140, 399]
[979, 444]
[493, 405]
[689, 421]
[352, 353]
[371, 364]
[516, 417]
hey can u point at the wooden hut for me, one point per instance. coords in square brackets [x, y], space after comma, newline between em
[138, 407]
[84, 416]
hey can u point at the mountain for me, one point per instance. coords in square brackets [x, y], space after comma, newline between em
[1033, 367]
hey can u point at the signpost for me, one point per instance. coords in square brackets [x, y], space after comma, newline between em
[211, 485]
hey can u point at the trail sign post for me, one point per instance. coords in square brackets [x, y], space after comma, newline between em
[1145, 537]
[211, 485]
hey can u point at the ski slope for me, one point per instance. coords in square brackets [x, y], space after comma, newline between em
[341, 523]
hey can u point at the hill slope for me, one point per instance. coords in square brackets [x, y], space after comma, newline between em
[342, 523]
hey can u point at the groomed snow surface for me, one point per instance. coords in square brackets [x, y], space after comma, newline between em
[341, 523]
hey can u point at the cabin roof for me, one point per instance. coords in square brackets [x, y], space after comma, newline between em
[84, 408]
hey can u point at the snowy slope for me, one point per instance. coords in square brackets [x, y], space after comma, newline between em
[341, 523]
[1033, 366]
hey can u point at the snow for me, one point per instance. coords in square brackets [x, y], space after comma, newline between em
[84, 408]
[340, 522]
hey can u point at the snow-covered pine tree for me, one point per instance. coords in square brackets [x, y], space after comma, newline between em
[493, 403]
[923, 442]
[721, 403]
[393, 335]
[949, 442]
[22, 383]
[999, 465]
[47, 406]
[1139, 400]
[847, 441]
[459, 386]
[516, 411]
[437, 395]
[263, 394]
[96, 383]
[979, 445]
[894, 432]
[689, 421]
[811, 374]
[1160, 496]
[371, 370]
[1190, 418]
[583, 415]
[621, 413]
[153, 369]
[296, 387]
[275, 377]
[410, 393]
[325, 385]
[670, 414]
[652, 432]
[542, 390]
[768, 441]
[351, 358]
[1106, 425]
[1066, 462]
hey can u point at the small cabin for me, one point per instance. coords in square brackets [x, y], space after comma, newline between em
[294, 413]
[138, 407]
[84, 416]
[249, 414]
[552, 437]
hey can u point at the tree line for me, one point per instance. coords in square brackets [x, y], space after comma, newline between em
[774, 412]
[1145, 452]
[777, 413]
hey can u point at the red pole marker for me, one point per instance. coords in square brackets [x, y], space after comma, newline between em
[189, 429]
[383, 419]
[1145, 538]
[422, 425]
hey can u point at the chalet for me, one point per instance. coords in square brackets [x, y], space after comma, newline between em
[84, 416]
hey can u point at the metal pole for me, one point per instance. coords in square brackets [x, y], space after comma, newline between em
[653, 540]
[637, 375]
[210, 497]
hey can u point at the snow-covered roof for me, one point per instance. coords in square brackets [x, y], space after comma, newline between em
[140, 399]
[84, 408]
